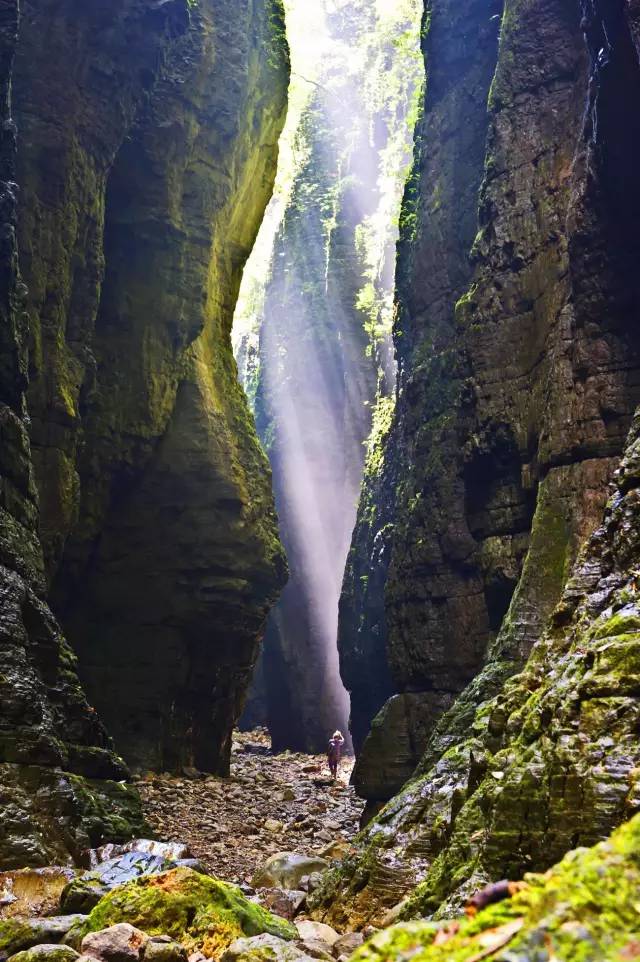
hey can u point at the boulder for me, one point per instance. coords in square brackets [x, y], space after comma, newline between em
[396, 743]
[347, 944]
[283, 903]
[317, 931]
[285, 869]
[18, 934]
[264, 948]
[117, 943]
[46, 953]
[317, 949]
[29, 892]
[202, 913]
[162, 948]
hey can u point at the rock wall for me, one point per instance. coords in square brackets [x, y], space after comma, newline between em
[517, 389]
[147, 155]
[62, 787]
[460, 48]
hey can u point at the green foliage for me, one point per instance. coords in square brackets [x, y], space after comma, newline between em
[277, 46]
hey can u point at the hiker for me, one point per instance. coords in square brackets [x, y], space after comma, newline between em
[334, 752]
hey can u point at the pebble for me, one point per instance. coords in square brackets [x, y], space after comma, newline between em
[270, 804]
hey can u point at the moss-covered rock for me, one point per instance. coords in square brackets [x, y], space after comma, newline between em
[47, 953]
[200, 912]
[505, 461]
[138, 424]
[18, 934]
[585, 909]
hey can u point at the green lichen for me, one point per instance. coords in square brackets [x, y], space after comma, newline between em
[202, 913]
[585, 909]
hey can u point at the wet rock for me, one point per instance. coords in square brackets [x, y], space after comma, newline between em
[171, 851]
[46, 953]
[264, 948]
[117, 943]
[84, 892]
[29, 892]
[286, 869]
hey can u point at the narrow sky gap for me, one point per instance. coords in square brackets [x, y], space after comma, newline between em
[352, 97]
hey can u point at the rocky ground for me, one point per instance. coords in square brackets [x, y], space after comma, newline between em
[271, 803]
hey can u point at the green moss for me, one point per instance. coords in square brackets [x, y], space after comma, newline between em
[14, 936]
[622, 623]
[585, 909]
[206, 915]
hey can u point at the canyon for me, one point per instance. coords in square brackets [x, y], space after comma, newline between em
[468, 420]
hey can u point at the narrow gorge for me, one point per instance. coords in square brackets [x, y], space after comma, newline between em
[320, 409]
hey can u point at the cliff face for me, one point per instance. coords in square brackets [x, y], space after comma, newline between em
[324, 343]
[146, 157]
[518, 381]
[61, 784]
[146, 154]
[460, 46]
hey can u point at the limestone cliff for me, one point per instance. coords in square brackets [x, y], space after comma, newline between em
[146, 157]
[146, 154]
[518, 381]
[61, 784]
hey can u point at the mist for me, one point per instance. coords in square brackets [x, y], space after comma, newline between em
[313, 332]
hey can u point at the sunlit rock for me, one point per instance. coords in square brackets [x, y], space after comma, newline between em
[286, 869]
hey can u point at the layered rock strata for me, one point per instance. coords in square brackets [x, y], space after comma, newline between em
[515, 397]
[584, 908]
[514, 404]
[147, 155]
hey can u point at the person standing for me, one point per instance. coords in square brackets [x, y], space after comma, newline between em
[334, 752]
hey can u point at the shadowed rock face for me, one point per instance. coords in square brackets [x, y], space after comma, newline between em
[376, 638]
[147, 154]
[140, 193]
[513, 413]
[59, 775]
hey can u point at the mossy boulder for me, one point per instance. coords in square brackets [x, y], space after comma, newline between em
[265, 948]
[46, 953]
[585, 909]
[202, 913]
[17, 934]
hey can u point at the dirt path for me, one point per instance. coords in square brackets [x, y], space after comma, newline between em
[271, 803]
